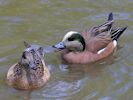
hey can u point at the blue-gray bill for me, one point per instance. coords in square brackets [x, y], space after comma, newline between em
[59, 45]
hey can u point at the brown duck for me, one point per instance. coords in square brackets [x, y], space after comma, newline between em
[30, 72]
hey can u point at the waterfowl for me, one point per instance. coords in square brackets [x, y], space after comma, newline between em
[30, 71]
[91, 45]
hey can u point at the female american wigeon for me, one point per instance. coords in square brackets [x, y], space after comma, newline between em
[91, 45]
[30, 72]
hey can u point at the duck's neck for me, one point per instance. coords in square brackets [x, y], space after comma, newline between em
[82, 40]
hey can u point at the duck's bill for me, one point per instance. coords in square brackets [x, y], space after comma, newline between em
[32, 65]
[59, 45]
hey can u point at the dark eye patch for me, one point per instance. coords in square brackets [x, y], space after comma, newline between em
[70, 39]
[32, 51]
[24, 55]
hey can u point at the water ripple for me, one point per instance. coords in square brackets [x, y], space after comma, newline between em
[60, 89]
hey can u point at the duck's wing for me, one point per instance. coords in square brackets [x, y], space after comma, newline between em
[101, 40]
[111, 46]
[96, 30]
[98, 42]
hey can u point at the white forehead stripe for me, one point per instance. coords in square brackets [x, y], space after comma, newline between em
[69, 34]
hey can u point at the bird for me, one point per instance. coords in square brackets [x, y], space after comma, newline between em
[91, 45]
[30, 72]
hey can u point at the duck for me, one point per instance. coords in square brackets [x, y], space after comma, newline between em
[30, 72]
[91, 45]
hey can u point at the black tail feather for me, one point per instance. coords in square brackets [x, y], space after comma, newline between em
[110, 19]
[110, 16]
[103, 27]
[117, 33]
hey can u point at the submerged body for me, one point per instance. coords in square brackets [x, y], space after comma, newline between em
[92, 45]
[30, 72]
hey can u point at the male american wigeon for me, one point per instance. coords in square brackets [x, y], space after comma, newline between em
[91, 45]
[30, 71]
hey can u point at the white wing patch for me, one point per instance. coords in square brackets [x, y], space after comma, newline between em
[115, 43]
[100, 51]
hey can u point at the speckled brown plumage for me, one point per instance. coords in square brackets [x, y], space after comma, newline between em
[22, 76]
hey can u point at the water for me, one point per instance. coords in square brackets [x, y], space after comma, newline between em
[45, 22]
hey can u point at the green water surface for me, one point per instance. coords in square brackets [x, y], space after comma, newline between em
[45, 22]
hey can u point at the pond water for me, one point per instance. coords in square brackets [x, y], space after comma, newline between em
[45, 22]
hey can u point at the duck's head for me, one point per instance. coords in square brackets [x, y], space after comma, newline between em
[32, 56]
[72, 41]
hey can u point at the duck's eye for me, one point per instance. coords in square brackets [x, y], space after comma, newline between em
[32, 51]
[70, 39]
[23, 55]
[37, 62]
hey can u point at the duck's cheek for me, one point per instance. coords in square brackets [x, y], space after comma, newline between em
[24, 62]
[63, 51]
[58, 50]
